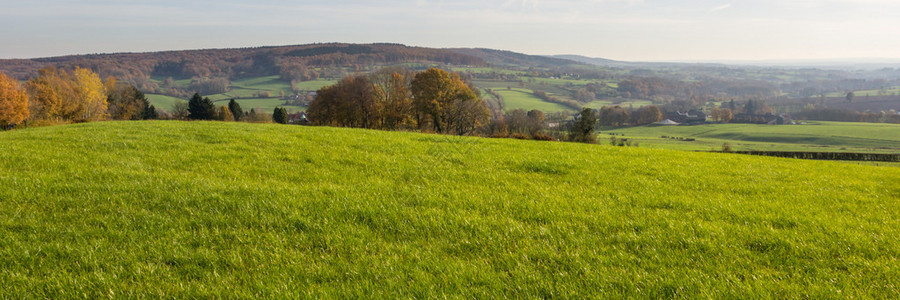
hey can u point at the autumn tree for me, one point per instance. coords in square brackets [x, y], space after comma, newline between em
[391, 87]
[517, 121]
[126, 102]
[723, 115]
[351, 103]
[613, 116]
[90, 89]
[647, 115]
[439, 97]
[53, 95]
[13, 102]
[224, 114]
[535, 121]
[201, 108]
[180, 109]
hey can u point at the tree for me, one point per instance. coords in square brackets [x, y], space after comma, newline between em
[535, 121]
[438, 98]
[201, 108]
[280, 115]
[351, 102]
[53, 95]
[583, 127]
[850, 96]
[13, 102]
[92, 92]
[180, 109]
[224, 114]
[721, 114]
[126, 102]
[393, 95]
[236, 110]
[648, 114]
[613, 116]
[150, 113]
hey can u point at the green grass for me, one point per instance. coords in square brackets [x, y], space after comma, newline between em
[815, 137]
[525, 99]
[597, 104]
[314, 85]
[265, 104]
[234, 210]
[162, 101]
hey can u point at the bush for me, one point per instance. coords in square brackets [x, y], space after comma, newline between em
[543, 137]
[519, 136]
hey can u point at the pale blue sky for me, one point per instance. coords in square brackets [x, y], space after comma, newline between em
[615, 29]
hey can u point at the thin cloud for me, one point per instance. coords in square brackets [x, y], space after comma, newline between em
[720, 8]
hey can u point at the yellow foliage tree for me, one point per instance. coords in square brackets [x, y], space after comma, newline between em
[92, 93]
[13, 102]
[224, 114]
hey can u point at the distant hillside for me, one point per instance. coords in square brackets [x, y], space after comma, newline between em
[288, 61]
[292, 62]
[513, 59]
[603, 62]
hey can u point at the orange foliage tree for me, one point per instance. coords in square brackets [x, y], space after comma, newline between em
[13, 102]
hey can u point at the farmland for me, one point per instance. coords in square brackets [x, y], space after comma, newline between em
[813, 137]
[216, 209]
[525, 99]
[247, 92]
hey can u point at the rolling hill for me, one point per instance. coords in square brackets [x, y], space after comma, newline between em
[216, 209]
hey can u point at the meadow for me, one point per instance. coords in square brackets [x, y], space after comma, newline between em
[525, 99]
[814, 136]
[228, 210]
[247, 92]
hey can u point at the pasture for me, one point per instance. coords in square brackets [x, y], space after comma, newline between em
[525, 99]
[814, 136]
[166, 209]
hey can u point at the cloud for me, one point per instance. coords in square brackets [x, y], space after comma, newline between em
[720, 8]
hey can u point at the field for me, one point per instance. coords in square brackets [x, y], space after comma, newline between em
[525, 99]
[247, 93]
[814, 137]
[233, 210]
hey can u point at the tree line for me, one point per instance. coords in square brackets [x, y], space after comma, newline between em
[61, 96]
[395, 99]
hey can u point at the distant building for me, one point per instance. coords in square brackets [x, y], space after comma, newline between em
[767, 118]
[298, 118]
[689, 117]
[666, 122]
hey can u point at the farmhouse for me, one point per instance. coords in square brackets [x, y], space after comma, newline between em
[690, 117]
[298, 118]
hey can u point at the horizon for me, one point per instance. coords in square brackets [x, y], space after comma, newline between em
[622, 30]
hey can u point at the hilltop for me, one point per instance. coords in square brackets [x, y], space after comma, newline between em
[216, 209]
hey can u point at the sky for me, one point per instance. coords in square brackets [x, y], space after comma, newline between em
[630, 30]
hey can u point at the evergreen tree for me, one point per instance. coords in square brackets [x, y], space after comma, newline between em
[583, 128]
[201, 108]
[280, 115]
[236, 110]
[150, 113]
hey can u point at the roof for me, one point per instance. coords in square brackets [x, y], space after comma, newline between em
[667, 122]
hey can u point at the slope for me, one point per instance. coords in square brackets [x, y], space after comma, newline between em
[204, 209]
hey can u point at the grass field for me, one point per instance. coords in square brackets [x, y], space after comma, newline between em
[162, 101]
[814, 136]
[234, 210]
[246, 92]
[525, 99]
